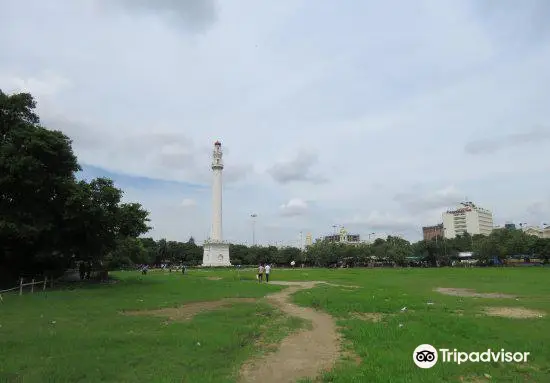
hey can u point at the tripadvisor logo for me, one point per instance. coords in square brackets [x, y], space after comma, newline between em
[426, 356]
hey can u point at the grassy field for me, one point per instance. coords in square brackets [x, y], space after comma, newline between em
[80, 335]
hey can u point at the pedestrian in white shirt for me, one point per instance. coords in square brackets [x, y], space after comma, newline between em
[267, 270]
[260, 273]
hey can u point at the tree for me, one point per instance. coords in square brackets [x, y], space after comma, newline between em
[132, 220]
[238, 254]
[397, 249]
[128, 252]
[48, 220]
[288, 254]
[151, 249]
[37, 168]
[97, 234]
[488, 248]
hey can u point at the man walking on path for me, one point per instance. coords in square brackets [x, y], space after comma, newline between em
[267, 270]
[82, 270]
[260, 273]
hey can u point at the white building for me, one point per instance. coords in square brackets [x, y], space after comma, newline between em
[541, 232]
[343, 237]
[467, 218]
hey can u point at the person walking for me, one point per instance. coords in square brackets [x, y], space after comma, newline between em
[82, 270]
[260, 273]
[267, 271]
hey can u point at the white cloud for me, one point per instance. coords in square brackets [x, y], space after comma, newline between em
[297, 169]
[386, 222]
[294, 207]
[538, 135]
[188, 202]
[422, 201]
[375, 119]
[44, 84]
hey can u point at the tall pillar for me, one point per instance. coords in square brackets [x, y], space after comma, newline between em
[216, 251]
[217, 167]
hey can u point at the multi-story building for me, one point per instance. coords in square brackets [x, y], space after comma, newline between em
[467, 218]
[343, 237]
[432, 232]
[309, 239]
[541, 232]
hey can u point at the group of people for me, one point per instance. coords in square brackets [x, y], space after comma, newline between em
[261, 269]
[84, 270]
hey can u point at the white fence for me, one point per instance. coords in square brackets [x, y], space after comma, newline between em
[33, 283]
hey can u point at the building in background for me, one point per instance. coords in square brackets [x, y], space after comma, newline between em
[467, 218]
[541, 232]
[343, 237]
[309, 239]
[432, 232]
[510, 226]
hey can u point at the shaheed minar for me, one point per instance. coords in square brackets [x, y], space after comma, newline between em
[216, 251]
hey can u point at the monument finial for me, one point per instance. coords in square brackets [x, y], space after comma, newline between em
[217, 154]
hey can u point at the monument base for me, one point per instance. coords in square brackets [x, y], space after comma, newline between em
[216, 254]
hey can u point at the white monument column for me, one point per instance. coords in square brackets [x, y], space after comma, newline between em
[216, 251]
[217, 167]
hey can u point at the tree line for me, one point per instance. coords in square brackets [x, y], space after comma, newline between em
[500, 245]
[50, 220]
[148, 251]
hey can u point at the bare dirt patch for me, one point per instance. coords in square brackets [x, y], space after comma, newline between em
[470, 293]
[369, 317]
[513, 312]
[473, 379]
[213, 278]
[342, 286]
[351, 357]
[459, 313]
[188, 311]
[304, 354]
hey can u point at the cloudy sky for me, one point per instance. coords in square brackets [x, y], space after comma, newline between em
[369, 114]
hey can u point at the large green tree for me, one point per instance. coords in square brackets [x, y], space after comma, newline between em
[48, 219]
[37, 173]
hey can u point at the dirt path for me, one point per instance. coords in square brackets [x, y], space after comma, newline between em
[304, 354]
[188, 311]
[470, 293]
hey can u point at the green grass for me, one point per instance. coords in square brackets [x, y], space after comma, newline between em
[79, 335]
[386, 348]
[91, 342]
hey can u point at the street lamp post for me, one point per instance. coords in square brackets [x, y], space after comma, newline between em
[253, 216]
[445, 240]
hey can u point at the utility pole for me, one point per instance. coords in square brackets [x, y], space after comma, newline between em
[445, 240]
[253, 216]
